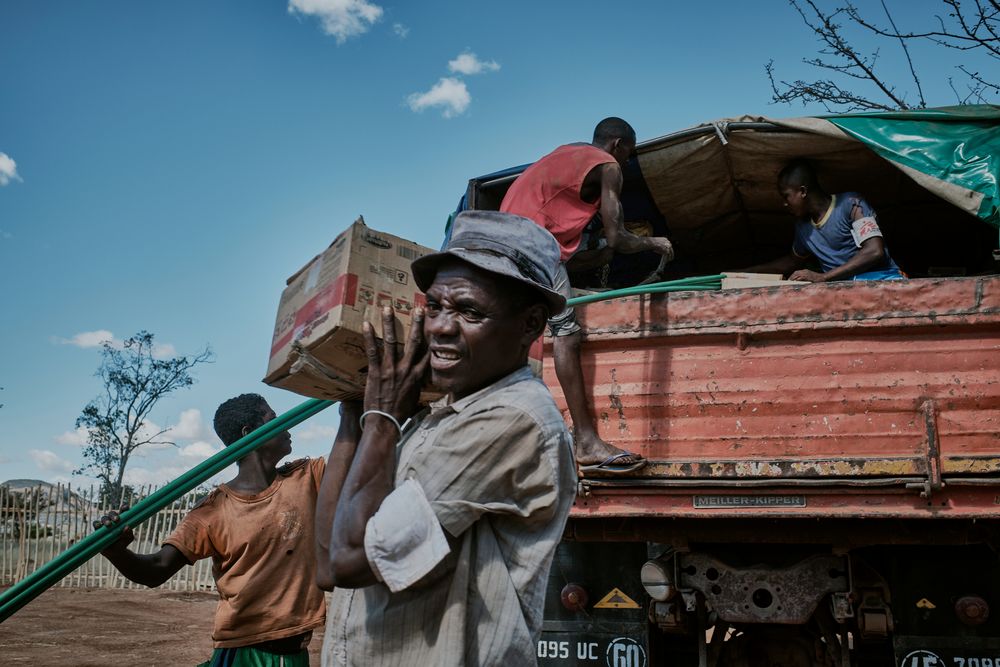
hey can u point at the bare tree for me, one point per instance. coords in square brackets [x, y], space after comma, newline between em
[857, 82]
[117, 422]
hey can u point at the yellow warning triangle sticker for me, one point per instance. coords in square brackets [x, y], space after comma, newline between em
[616, 599]
[924, 603]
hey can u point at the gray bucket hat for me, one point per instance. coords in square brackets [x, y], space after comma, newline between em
[501, 243]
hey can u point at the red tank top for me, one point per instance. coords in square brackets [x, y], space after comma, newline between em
[548, 192]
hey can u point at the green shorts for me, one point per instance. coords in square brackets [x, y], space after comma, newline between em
[247, 656]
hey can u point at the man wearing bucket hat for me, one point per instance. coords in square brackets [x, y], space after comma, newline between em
[442, 523]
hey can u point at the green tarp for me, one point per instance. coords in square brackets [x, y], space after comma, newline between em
[957, 145]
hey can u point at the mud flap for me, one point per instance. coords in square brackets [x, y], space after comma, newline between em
[608, 626]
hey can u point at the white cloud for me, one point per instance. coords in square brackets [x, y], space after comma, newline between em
[163, 350]
[50, 461]
[401, 30]
[340, 18]
[8, 170]
[77, 438]
[159, 475]
[88, 339]
[450, 94]
[163, 474]
[189, 427]
[199, 450]
[467, 63]
[148, 429]
[311, 432]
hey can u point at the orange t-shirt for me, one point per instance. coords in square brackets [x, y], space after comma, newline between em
[263, 556]
[548, 192]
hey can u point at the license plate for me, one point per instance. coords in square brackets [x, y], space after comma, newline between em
[559, 649]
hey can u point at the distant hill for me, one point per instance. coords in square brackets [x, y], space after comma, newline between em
[65, 501]
[22, 484]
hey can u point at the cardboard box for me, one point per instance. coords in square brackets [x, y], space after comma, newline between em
[318, 349]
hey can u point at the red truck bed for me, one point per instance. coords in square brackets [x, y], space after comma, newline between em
[836, 400]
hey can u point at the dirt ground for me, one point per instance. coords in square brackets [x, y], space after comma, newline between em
[98, 627]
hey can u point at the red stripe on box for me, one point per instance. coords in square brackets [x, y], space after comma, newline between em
[342, 291]
[350, 293]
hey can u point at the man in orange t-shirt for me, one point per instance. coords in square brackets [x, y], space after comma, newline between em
[258, 531]
[563, 191]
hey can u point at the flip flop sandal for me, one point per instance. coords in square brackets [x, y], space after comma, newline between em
[607, 466]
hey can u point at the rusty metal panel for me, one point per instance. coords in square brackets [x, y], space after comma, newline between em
[844, 305]
[950, 503]
[852, 380]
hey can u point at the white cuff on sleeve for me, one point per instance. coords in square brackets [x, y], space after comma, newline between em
[404, 540]
[863, 229]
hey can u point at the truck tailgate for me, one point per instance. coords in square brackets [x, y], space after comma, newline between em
[865, 384]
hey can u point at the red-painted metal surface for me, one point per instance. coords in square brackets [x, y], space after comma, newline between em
[949, 503]
[861, 396]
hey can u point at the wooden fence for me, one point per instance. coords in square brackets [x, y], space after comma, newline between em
[37, 523]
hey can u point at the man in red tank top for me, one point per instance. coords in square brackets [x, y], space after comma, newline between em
[562, 192]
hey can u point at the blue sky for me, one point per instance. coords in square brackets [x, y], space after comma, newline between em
[166, 166]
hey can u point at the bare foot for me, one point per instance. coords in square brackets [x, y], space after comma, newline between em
[591, 450]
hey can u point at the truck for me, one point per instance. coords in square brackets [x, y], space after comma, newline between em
[823, 485]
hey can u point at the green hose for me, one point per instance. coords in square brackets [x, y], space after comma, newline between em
[35, 583]
[49, 574]
[698, 284]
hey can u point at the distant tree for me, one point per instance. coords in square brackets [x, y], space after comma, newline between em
[117, 422]
[112, 498]
[857, 83]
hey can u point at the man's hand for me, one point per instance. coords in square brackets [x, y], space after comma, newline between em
[808, 276]
[127, 536]
[663, 247]
[394, 383]
[146, 569]
[395, 378]
[657, 274]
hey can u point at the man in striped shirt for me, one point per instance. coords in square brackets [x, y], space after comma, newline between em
[438, 527]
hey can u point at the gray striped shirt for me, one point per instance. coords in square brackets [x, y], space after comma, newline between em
[464, 543]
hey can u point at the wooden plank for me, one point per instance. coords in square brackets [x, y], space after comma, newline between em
[737, 280]
[4, 544]
[47, 554]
